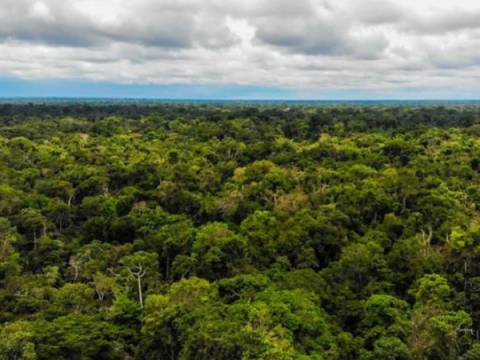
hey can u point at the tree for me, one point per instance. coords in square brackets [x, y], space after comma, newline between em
[74, 298]
[17, 341]
[103, 285]
[78, 337]
[437, 330]
[33, 223]
[9, 257]
[219, 251]
[161, 337]
[139, 265]
[386, 325]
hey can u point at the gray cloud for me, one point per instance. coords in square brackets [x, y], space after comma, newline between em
[166, 24]
[324, 28]
[300, 44]
[377, 12]
[456, 20]
[54, 23]
[306, 36]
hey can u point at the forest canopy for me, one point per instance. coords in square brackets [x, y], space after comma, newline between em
[175, 231]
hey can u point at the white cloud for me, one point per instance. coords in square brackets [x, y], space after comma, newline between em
[41, 11]
[302, 44]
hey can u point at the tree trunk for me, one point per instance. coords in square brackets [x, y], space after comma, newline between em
[140, 296]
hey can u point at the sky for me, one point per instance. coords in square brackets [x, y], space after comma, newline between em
[241, 49]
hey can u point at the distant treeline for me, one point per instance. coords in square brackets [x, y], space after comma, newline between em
[356, 118]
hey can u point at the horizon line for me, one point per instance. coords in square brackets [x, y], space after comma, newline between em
[231, 99]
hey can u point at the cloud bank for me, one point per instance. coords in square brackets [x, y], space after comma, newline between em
[310, 46]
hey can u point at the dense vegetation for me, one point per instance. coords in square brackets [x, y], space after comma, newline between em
[239, 232]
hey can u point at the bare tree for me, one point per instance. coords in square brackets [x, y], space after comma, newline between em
[138, 272]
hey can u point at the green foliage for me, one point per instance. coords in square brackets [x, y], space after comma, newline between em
[17, 341]
[239, 232]
[79, 337]
[218, 250]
